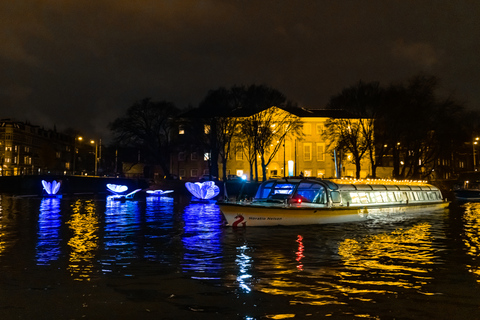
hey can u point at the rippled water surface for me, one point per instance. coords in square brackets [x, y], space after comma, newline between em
[168, 258]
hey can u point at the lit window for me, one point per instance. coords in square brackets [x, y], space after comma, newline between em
[239, 152]
[181, 130]
[239, 173]
[58, 154]
[320, 151]
[206, 156]
[320, 173]
[307, 152]
[206, 128]
[308, 173]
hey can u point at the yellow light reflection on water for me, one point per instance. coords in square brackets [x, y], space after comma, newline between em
[396, 260]
[372, 265]
[471, 239]
[84, 243]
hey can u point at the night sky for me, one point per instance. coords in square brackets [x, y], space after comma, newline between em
[82, 63]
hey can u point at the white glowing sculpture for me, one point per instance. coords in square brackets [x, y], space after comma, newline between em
[51, 187]
[158, 192]
[205, 191]
[116, 188]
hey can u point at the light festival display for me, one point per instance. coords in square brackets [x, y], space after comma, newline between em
[158, 192]
[51, 188]
[116, 188]
[203, 190]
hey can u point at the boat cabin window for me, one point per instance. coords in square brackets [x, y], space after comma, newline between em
[335, 196]
[264, 190]
[311, 192]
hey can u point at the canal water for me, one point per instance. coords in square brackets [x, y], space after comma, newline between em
[168, 258]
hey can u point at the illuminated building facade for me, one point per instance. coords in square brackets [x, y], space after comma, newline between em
[307, 155]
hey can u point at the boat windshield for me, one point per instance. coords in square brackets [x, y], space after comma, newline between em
[305, 191]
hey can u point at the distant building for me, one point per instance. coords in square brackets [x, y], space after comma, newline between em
[28, 149]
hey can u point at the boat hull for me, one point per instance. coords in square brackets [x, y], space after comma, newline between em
[241, 215]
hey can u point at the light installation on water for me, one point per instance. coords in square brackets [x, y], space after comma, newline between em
[116, 188]
[203, 190]
[158, 192]
[51, 188]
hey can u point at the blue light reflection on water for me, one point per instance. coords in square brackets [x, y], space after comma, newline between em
[159, 225]
[202, 241]
[49, 223]
[121, 233]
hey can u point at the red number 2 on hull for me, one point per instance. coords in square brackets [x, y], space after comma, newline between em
[239, 220]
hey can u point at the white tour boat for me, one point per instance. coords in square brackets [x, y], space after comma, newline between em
[303, 201]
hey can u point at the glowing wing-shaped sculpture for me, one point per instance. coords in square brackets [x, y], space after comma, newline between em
[158, 192]
[205, 191]
[51, 187]
[116, 188]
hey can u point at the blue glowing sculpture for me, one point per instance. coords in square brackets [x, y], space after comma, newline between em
[204, 191]
[116, 188]
[51, 187]
[158, 192]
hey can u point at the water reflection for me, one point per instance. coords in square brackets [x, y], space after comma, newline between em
[389, 262]
[471, 239]
[121, 235]
[202, 240]
[244, 263]
[49, 223]
[84, 242]
[159, 225]
[394, 261]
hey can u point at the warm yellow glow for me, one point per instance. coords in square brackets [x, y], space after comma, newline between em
[380, 181]
[92, 141]
[84, 243]
[471, 236]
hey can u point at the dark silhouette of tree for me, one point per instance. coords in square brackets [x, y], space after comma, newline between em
[150, 127]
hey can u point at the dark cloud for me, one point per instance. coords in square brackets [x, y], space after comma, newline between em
[82, 63]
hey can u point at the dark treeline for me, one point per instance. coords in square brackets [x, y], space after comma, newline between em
[407, 123]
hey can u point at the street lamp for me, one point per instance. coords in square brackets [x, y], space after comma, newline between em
[94, 142]
[475, 141]
[75, 152]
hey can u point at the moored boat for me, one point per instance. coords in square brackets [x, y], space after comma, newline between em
[303, 201]
[467, 187]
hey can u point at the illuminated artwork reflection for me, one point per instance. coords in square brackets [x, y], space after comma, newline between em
[159, 223]
[121, 235]
[49, 223]
[202, 240]
[84, 242]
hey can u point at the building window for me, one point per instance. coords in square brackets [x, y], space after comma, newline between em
[308, 172]
[320, 151]
[27, 149]
[181, 156]
[67, 165]
[7, 160]
[206, 128]
[194, 173]
[8, 149]
[58, 154]
[194, 156]
[181, 129]
[239, 152]
[239, 173]
[319, 129]
[181, 173]
[206, 156]
[307, 152]
[321, 173]
[206, 171]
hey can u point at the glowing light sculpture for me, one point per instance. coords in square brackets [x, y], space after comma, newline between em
[116, 188]
[158, 192]
[204, 191]
[51, 187]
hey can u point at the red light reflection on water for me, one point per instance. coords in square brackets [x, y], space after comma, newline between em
[299, 252]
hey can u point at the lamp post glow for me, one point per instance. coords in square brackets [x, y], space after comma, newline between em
[94, 142]
[474, 142]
